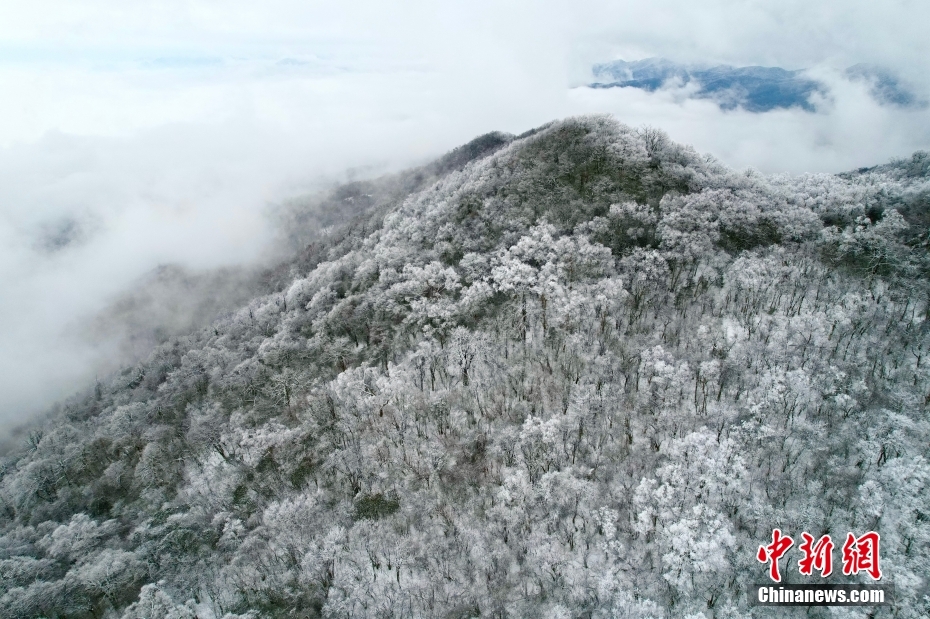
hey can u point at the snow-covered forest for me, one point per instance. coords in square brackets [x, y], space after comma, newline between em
[582, 372]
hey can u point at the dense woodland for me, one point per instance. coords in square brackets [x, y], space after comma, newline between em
[582, 372]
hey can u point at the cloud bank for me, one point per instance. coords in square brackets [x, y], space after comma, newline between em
[133, 137]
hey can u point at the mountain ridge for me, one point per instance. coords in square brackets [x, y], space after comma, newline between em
[752, 88]
[543, 382]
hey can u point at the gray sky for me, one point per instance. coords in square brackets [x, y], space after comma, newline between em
[135, 136]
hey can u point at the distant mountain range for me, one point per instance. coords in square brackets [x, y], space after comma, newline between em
[886, 87]
[755, 89]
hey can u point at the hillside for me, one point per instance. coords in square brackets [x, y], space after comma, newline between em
[582, 372]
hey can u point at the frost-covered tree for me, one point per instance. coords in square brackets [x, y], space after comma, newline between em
[582, 372]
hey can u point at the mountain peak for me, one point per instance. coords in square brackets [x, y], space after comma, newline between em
[497, 388]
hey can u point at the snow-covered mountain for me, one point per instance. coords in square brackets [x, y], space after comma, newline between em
[581, 372]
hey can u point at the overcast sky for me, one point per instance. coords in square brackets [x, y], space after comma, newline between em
[134, 134]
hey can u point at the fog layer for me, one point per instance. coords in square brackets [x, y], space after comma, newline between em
[136, 138]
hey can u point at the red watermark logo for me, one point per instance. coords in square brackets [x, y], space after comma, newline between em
[860, 554]
[817, 556]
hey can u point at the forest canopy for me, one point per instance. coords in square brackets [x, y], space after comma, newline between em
[581, 372]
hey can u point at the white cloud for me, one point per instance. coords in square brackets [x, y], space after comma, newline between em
[849, 130]
[166, 129]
